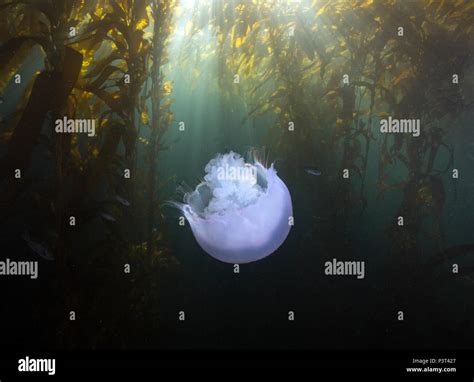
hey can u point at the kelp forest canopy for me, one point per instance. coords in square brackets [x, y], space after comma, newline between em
[311, 78]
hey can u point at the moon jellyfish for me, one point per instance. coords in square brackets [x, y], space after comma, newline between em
[241, 211]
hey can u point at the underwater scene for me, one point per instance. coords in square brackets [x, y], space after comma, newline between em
[237, 174]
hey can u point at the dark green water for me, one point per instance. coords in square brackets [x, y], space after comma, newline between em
[224, 309]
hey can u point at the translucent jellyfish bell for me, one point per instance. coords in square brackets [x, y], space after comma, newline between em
[241, 212]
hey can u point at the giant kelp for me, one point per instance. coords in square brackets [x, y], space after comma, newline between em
[95, 60]
[334, 68]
